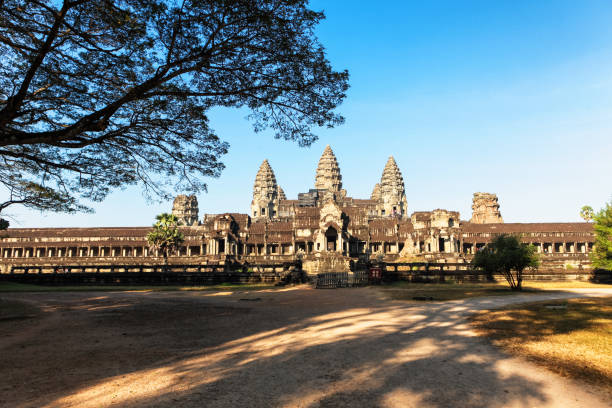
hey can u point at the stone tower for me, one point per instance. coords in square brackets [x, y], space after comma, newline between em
[185, 208]
[392, 194]
[375, 192]
[485, 209]
[328, 172]
[266, 193]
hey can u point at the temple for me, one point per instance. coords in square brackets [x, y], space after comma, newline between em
[322, 222]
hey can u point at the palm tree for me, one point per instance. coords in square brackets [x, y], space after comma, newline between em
[165, 237]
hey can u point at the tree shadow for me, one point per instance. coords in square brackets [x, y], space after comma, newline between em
[300, 348]
[543, 319]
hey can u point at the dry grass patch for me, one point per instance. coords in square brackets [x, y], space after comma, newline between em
[452, 290]
[572, 337]
[447, 291]
[559, 285]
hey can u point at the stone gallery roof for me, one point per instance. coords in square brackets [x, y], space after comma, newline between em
[242, 220]
[280, 232]
[280, 226]
[75, 232]
[422, 215]
[405, 227]
[361, 233]
[551, 232]
[288, 202]
[383, 229]
[303, 212]
[362, 203]
[257, 228]
[510, 228]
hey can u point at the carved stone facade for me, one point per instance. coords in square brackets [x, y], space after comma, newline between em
[328, 175]
[322, 227]
[185, 208]
[266, 193]
[392, 196]
[485, 209]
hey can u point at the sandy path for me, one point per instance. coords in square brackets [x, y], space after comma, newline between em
[298, 347]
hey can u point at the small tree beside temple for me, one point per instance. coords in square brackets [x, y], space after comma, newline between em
[507, 255]
[587, 213]
[601, 256]
[165, 237]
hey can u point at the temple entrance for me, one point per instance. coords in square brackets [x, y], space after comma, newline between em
[331, 236]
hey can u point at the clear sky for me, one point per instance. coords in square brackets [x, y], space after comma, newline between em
[508, 97]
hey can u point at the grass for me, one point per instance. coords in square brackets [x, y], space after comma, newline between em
[445, 291]
[572, 338]
[22, 287]
[564, 285]
[453, 291]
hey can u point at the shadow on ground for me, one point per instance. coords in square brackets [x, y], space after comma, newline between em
[291, 348]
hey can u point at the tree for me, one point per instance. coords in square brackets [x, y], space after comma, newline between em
[601, 256]
[507, 255]
[4, 224]
[165, 237]
[586, 212]
[100, 94]
[487, 261]
[34, 195]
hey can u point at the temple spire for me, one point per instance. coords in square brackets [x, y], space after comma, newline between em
[328, 175]
[392, 194]
[265, 181]
[266, 192]
[375, 192]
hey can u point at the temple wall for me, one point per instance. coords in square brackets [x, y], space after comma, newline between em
[53, 247]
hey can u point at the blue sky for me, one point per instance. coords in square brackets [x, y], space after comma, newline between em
[513, 98]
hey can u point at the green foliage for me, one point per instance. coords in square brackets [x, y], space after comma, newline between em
[165, 237]
[507, 255]
[96, 95]
[34, 195]
[587, 213]
[4, 224]
[601, 256]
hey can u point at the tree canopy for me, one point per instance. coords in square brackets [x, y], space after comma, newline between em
[507, 255]
[601, 256]
[100, 94]
[165, 237]
[586, 213]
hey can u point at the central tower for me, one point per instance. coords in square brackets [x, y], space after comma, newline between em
[328, 175]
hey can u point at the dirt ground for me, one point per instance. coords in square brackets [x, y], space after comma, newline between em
[296, 347]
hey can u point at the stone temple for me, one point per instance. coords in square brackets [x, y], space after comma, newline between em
[322, 221]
